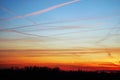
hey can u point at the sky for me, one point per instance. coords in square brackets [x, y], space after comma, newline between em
[69, 33]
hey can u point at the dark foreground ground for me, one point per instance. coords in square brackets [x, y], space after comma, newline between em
[44, 73]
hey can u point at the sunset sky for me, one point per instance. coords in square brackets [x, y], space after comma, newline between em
[71, 34]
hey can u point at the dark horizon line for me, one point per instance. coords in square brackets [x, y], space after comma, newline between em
[46, 73]
[58, 68]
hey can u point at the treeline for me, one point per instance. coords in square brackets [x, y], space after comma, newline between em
[45, 73]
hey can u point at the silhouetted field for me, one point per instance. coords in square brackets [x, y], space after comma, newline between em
[45, 73]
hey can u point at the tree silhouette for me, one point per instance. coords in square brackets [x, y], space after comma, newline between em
[45, 73]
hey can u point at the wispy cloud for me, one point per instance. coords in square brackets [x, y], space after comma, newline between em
[14, 13]
[53, 52]
[28, 34]
[31, 14]
[50, 8]
[61, 21]
[42, 11]
[110, 64]
[109, 34]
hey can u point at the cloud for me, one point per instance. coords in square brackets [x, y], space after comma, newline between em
[40, 11]
[32, 14]
[109, 64]
[49, 9]
[10, 30]
[54, 22]
[28, 34]
[49, 52]
[14, 13]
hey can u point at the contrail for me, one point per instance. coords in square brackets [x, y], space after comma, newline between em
[31, 14]
[50, 8]
[105, 49]
[25, 33]
[54, 22]
[11, 30]
[43, 11]
[109, 33]
[48, 27]
[79, 31]
[106, 37]
[13, 13]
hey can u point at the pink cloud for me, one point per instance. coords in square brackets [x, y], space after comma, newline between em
[40, 11]
[50, 8]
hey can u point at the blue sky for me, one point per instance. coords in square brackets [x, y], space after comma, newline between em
[60, 31]
[78, 24]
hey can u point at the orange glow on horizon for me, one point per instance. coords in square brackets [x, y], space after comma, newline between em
[70, 34]
[63, 58]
